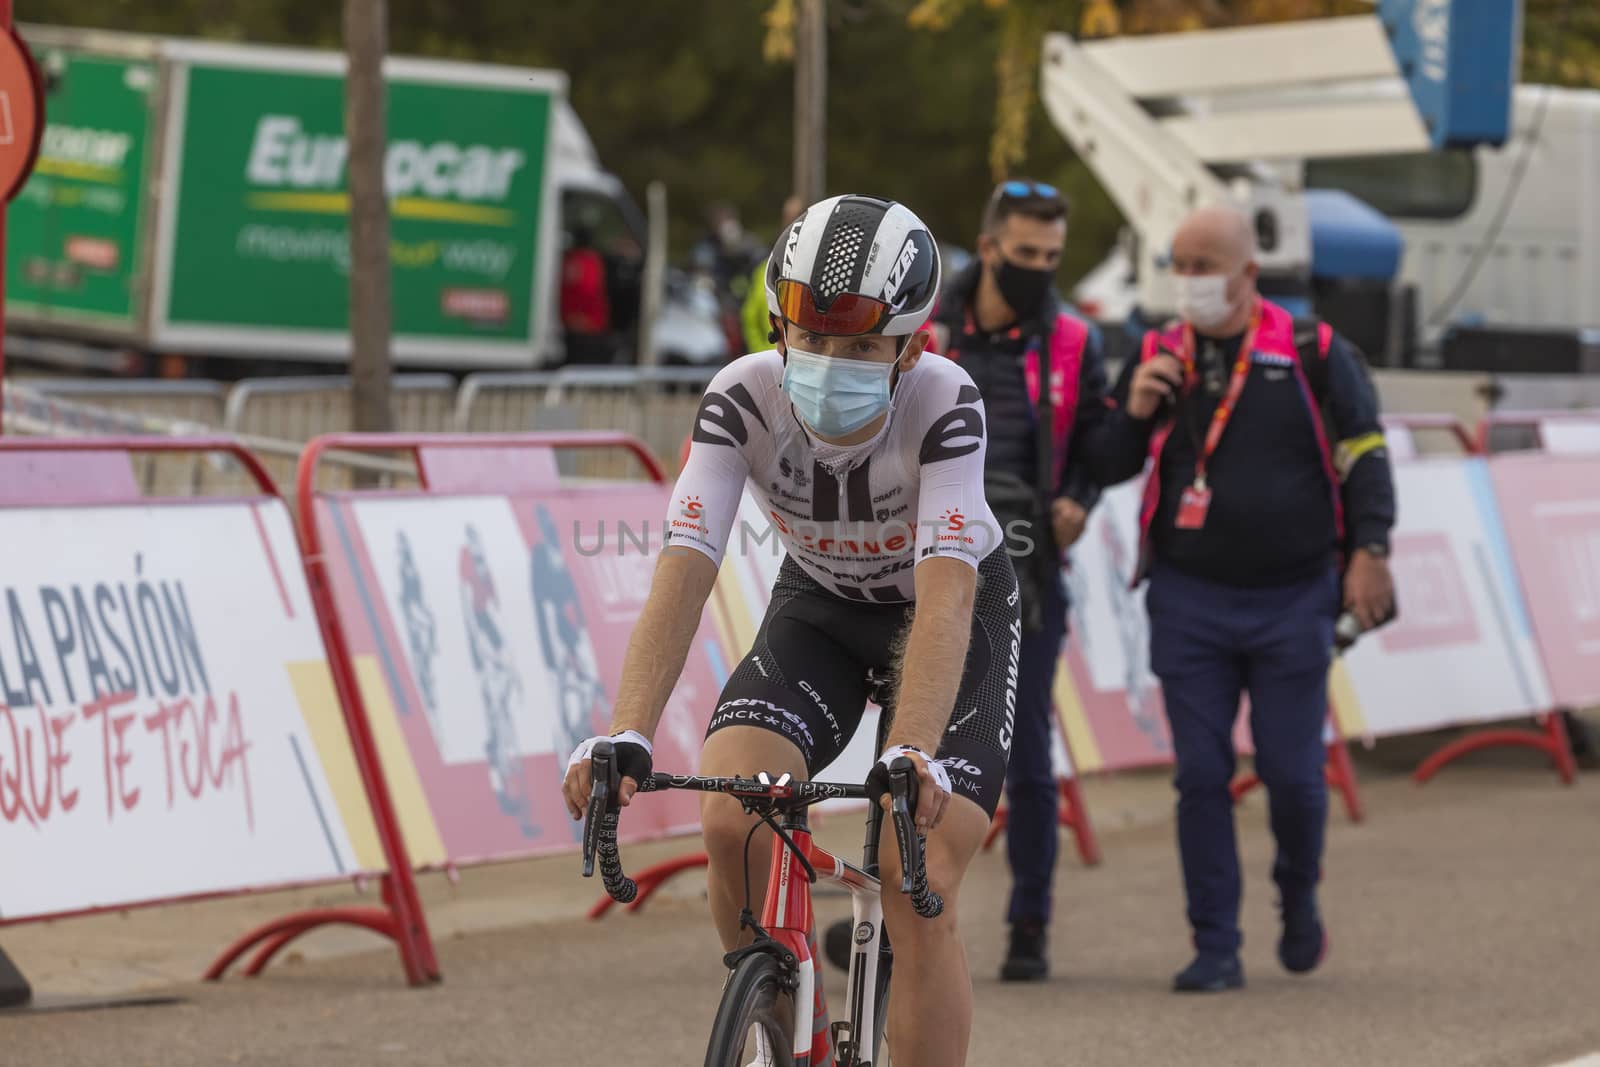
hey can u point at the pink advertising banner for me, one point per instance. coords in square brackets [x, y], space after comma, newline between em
[487, 632]
[1550, 505]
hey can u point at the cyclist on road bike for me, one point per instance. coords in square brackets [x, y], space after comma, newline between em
[869, 462]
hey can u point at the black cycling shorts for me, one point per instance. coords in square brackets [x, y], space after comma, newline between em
[818, 658]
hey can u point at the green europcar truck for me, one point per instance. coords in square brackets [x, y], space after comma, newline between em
[191, 197]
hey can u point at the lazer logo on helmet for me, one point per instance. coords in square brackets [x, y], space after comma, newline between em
[792, 244]
[899, 272]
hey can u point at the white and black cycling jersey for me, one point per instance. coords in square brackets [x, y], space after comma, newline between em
[915, 494]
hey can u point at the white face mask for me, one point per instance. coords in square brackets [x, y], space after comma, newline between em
[1203, 300]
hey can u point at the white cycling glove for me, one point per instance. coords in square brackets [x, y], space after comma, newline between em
[633, 753]
[878, 779]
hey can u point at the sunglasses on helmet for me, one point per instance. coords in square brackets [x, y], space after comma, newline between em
[1024, 190]
[846, 313]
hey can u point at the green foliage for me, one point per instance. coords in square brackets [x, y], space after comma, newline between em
[681, 91]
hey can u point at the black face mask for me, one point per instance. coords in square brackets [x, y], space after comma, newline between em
[1022, 287]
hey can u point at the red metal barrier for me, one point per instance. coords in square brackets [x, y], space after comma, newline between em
[1447, 423]
[305, 474]
[416, 952]
[339, 654]
[1533, 420]
[1074, 815]
[650, 879]
[114, 445]
[1341, 776]
[1073, 812]
[1550, 738]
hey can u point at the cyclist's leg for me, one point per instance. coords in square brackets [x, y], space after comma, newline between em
[930, 999]
[739, 750]
[790, 706]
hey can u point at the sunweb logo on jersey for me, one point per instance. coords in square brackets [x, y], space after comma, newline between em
[956, 530]
[691, 511]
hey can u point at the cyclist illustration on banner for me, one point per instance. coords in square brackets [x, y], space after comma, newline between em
[581, 707]
[498, 682]
[422, 635]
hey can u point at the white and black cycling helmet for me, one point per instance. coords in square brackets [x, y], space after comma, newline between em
[854, 264]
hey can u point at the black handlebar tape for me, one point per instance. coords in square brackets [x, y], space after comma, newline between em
[913, 858]
[600, 826]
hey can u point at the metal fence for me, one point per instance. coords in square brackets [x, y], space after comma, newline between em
[654, 404]
[189, 400]
[297, 409]
[34, 412]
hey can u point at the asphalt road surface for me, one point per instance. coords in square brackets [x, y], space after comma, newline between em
[1464, 920]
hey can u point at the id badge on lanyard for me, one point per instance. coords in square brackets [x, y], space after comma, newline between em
[1195, 500]
[1193, 503]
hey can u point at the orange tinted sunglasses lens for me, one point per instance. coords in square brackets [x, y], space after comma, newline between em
[848, 314]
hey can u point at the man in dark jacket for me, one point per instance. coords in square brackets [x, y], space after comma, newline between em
[1268, 471]
[1002, 319]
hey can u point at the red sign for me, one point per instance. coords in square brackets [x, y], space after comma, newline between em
[21, 112]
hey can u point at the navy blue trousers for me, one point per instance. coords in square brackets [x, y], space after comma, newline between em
[1209, 644]
[1032, 796]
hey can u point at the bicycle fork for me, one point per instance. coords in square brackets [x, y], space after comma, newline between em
[857, 1037]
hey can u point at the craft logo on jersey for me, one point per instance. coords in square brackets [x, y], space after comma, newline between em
[897, 275]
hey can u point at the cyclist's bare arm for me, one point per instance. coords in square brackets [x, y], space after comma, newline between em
[930, 674]
[954, 532]
[700, 518]
[657, 651]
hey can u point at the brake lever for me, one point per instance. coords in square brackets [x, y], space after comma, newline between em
[602, 798]
[913, 861]
[903, 801]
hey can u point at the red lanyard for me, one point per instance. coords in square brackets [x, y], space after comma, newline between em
[1230, 399]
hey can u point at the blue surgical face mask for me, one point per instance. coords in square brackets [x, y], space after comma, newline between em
[833, 396]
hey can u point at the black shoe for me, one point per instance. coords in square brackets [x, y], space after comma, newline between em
[837, 944]
[1027, 960]
[1304, 943]
[1210, 973]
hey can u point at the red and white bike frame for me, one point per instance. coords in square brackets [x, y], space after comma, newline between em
[787, 915]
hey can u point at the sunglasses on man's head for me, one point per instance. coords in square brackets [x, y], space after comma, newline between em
[1021, 190]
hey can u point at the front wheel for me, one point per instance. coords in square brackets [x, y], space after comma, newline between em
[755, 1020]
